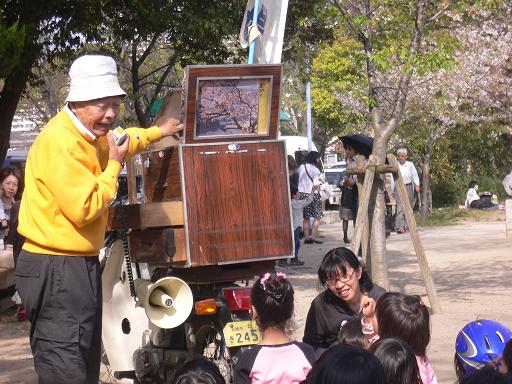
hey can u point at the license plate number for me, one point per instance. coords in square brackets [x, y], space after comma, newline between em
[238, 333]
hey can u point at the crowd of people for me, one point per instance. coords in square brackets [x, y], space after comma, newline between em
[355, 331]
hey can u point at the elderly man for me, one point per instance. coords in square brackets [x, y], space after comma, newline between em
[71, 178]
[412, 182]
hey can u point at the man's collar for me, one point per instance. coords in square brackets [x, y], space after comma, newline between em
[83, 130]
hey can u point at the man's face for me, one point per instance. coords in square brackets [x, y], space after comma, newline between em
[402, 157]
[97, 115]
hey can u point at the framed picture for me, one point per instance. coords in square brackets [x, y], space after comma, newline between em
[232, 102]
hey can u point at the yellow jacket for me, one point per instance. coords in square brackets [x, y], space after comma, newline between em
[69, 184]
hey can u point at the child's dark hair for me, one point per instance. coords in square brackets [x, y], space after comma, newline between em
[507, 356]
[398, 361]
[198, 371]
[487, 375]
[351, 333]
[472, 184]
[406, 317]
[293, 190]
[335, 263]
[346, 364]
[272, 297]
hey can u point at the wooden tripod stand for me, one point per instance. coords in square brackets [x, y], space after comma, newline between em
[361, 233]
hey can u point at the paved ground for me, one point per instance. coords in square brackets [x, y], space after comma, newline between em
[470, 264]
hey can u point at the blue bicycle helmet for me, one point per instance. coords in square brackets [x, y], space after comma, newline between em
[479, 343]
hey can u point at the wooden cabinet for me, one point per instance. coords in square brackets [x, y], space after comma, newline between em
[214, 199]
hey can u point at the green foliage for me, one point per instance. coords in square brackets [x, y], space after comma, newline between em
[309, 26]
[337, 80]
[469, 152]
[11, 44]
[479, 149]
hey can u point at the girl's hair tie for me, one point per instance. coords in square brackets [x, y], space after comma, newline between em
[279, 276]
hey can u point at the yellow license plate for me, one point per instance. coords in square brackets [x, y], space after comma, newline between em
[238, 333]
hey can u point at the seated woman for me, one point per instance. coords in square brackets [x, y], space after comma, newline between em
[345, 283]
[473, 199]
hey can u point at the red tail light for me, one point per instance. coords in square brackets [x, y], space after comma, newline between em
[238, 298]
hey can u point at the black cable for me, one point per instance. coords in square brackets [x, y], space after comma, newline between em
[128, 262]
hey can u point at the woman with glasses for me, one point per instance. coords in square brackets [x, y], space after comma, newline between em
[346, 282]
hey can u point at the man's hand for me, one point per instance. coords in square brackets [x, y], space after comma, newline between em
[417, 188]
[117, 152]
[170, 126]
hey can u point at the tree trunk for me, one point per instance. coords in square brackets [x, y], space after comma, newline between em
[12, 90]
[376, 218]
[137, 103]
[425, 189]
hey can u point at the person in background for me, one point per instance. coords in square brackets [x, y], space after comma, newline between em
[309, 174]
[412, 183]
[390, 200]
[293, 172]
[298, 205]
[349, 198]
[11, 189]
[276, 359]
[71, 177]
[473, 199]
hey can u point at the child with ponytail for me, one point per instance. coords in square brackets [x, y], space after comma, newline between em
[277, 359]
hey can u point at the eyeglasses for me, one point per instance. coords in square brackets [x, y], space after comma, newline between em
[344, 279]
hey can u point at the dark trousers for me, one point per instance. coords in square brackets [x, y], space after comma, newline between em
[296, 239]
[62, 297]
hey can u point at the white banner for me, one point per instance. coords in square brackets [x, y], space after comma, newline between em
[268, 36]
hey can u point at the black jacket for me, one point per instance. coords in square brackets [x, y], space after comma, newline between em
[325, 317]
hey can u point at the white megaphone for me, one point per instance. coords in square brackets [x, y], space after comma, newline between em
[167, 302]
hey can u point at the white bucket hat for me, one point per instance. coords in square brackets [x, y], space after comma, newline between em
[93, 77]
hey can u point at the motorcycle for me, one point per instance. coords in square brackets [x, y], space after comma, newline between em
[154, 322]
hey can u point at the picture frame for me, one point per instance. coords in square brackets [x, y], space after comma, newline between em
[231, 102]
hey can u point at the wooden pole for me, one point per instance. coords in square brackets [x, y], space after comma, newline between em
[365, 237]
[418, 246]
[362, 213]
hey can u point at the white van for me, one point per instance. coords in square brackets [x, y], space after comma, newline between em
[334, 175]
[297, 144]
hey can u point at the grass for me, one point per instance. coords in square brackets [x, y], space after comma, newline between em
[441, 217]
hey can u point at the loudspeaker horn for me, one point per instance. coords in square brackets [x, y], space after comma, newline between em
[167, 302]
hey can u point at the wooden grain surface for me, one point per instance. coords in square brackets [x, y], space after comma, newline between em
[237, 202]
[150, 215]
[160, 172]
[224, 71]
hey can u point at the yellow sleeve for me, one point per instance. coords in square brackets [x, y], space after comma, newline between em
[80, 195]
[140, 138]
